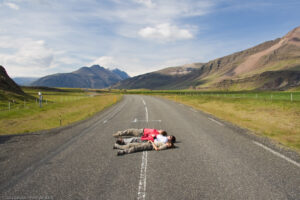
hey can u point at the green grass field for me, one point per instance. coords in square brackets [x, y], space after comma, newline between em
[59, 107]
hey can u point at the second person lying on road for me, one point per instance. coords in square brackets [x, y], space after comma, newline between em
[140, 135]
[142, 146]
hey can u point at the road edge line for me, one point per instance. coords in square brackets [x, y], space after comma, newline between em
[277, 154]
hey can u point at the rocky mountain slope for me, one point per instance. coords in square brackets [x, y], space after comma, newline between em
[86, 77]
[272, 65]
[7, 84]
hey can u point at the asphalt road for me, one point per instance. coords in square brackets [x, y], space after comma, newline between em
[213, 159]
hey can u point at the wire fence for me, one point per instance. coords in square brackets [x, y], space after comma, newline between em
[25, 104]
[258, 96]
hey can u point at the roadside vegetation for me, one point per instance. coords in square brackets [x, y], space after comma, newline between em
[272, 114]
[60, 107]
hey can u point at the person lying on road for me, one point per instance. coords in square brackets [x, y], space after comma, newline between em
[157, 138]
[144, 133]
[144, 146]
[141, 135]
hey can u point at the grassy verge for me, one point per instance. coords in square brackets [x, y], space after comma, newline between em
[59, 108]
[278, 120]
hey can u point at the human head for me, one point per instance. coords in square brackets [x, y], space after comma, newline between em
[170, 144]
[162, 132]
[171, 138]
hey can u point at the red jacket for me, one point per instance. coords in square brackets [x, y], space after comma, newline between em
[149, 134]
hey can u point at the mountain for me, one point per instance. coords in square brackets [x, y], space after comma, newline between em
[169, 78]
[7, 84]
[122, 74]
[25, 81]
[86, 77]
[272, 65]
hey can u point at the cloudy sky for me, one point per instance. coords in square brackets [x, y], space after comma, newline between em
[41, 37]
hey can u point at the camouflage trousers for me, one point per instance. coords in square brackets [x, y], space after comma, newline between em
[133, 132]
[134, 147]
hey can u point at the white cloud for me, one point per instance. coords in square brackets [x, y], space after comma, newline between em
[165, 32]
[105, 61]
[158, 11]
[25, 55]
[158, 19]
[12, 5]
[147, 3]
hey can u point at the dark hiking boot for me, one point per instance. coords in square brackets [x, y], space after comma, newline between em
[115, 146]
[121, 153]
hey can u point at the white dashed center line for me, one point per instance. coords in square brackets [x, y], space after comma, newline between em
[146, 114]
[143, 174]
[143, 177]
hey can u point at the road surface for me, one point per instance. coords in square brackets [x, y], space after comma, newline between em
[213, 159]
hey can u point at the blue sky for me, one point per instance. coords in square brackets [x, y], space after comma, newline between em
[41, 37]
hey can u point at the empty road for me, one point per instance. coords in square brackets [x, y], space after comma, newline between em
[213, 159]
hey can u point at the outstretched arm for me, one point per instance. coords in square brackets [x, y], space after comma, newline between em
[154, 146]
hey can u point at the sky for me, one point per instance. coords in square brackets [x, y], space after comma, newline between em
[42, 37]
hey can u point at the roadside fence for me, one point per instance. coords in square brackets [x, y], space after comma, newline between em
[34, 104]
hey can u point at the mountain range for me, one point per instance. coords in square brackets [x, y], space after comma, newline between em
[272, 65]
[24, 81]
[86, 77]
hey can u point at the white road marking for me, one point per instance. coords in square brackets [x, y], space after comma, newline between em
[135, 120]
[146, 114]
[104, 121]
[143, 177]
[277, 154]
[143, 174]
[145, 109]
[216, 121]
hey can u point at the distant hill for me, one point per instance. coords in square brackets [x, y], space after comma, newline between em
[122, 74]
[86, 77]
[7, 84]
[272, 65]
[25, 81]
